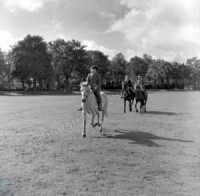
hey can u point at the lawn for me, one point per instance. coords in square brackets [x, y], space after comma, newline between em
[43, 152]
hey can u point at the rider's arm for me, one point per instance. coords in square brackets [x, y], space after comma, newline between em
[88, 80]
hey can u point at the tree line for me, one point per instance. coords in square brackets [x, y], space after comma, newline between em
[33, 58]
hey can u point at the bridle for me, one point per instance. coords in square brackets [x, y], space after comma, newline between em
[86, 96]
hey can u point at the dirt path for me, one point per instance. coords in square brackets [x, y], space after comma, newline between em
[42, 152]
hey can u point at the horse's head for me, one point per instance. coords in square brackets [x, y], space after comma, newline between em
[85, 91]
[137, 87]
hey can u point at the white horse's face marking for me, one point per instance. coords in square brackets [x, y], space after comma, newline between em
[85, 90]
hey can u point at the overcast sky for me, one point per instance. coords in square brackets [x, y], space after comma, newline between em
[161, 28]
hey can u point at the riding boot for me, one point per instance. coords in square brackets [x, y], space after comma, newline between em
[99, 103]
[80, 109]
[98, 98]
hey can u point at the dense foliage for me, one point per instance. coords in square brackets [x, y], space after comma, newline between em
[63, 63]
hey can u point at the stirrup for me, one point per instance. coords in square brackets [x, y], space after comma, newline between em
[99, 108]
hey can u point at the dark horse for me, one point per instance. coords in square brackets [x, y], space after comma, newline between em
[129, 96]
[140, 97]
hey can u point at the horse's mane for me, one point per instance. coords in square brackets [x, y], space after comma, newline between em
[84, 84]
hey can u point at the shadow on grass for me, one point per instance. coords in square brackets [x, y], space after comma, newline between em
[164, 113]
[37, 93]
[141, 138]
[50, 93]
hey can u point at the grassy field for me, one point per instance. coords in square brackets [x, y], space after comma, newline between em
[42, 152]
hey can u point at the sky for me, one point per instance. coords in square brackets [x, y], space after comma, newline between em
[164, 29]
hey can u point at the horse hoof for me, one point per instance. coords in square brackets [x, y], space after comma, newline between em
[100, 130]
[84, 135]
[95, 125]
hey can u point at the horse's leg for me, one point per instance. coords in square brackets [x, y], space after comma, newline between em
[84, 124]
[92, 120]
[98, 117]
[130, 106]
[124, 105]
[136, 105]
[94, 113]
[146, 97]
[102, 118]
[142, 104]
[132, 100]
[145, 107]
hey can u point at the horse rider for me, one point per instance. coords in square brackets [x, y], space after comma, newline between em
[127, 85]
[141, 84]
[95, 83]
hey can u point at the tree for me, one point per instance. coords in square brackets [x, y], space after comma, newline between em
[98, 58]
[2, 61]
[67, 57]
[140, 65]
[57, 51]
[194, 64]
[147, 59]
[177, 72]
[5, 69]
[9, 68]
[31, 59]
[152, 75]
[186, 73]
[118, 66]
[168, 69]
[3, 77]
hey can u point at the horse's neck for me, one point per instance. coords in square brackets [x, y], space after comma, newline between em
[90, 100]
[138, 93]
[138, 87]
[125, 87]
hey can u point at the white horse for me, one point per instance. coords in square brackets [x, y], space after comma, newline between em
[89, 106]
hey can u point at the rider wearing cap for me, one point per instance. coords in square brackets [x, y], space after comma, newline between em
[127, 85]
[141, 84]
[139, 81]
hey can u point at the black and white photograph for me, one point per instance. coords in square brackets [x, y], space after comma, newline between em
[99, 98]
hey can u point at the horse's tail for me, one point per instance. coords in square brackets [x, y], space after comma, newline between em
[105, 108]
